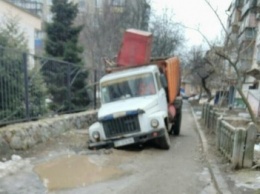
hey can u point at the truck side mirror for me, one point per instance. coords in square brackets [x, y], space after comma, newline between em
[163, 80]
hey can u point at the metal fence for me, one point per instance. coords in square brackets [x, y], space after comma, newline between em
[235, 143]
[33, 87]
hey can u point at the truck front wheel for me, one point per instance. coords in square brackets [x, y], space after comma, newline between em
[164, 141]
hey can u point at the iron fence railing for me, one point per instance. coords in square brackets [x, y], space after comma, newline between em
[33, 87]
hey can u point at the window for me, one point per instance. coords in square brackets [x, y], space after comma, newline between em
[254, 86]
[239, 3]
[258, 54]
[158, 81]
[81, 3]
[98, 3]
[118, 3]
[249, 32]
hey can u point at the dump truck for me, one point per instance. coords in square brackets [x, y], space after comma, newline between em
[140, 97]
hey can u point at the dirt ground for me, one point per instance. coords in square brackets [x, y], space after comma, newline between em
[56, 164]
[74, 140]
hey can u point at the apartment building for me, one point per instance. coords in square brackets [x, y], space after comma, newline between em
[243, 27]
[255, 69]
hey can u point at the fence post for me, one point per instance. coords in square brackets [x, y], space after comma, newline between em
[203, 111]
[211, 124]
[218, 131]
[205, 114]
[95, 89]
[238, 148]
[208, 115]
[250, 143]
[215, 119]
[26, 86]
[69, 86]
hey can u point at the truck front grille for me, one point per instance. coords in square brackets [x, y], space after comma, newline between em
[121, 126]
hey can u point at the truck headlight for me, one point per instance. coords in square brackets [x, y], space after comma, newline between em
[96, 135]
[154, 123]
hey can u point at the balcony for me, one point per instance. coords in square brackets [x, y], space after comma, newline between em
[248, 35]
[249, 5]
[235, 17]
[249, 21]
[238, 3]
[258, 54]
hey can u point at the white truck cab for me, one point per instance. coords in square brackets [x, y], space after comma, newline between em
[133, 109]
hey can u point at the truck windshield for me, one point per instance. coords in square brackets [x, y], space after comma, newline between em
[128, 87]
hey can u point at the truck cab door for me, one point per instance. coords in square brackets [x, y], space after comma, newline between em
[162, 100]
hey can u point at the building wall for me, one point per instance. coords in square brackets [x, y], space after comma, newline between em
[28, 23]
[254, 100]
[256, 56]
[243, 23]
[189, 89]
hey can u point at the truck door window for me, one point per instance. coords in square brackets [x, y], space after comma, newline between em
[158, 81]
[146, 86]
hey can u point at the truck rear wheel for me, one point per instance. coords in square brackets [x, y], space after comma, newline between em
[164, 141]
[176, 128]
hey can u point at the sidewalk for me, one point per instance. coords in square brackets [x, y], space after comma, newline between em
[226, 180]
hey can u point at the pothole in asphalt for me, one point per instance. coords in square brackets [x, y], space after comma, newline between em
[74, 171]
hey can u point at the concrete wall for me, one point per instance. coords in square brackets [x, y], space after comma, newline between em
[25, 135]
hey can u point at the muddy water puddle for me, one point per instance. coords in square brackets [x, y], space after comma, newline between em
[75, 171]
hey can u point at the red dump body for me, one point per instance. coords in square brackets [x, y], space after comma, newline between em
[135, 48]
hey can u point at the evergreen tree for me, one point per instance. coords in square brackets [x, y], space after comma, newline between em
[13, 48]
[11, 80]
[11, 71]
[37, 93]
[66, 81]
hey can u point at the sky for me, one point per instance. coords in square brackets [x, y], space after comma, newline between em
[194, 13]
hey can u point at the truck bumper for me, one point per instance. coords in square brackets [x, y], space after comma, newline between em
[135, 139]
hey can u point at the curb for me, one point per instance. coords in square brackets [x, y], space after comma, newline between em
[219, 182]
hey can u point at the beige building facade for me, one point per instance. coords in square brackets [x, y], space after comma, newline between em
[28, 23]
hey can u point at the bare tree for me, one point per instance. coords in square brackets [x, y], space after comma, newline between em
[204, 70]
[234, 54]
[103, 29]
[168, 35]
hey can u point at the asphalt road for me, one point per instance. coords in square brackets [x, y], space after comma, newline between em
[146, 170]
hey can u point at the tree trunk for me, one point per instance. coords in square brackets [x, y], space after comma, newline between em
[248, 106]
[204, 86]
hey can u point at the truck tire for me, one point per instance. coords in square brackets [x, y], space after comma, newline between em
[176, 128]
[164, 141]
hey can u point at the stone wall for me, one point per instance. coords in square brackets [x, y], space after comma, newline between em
[25, 135]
